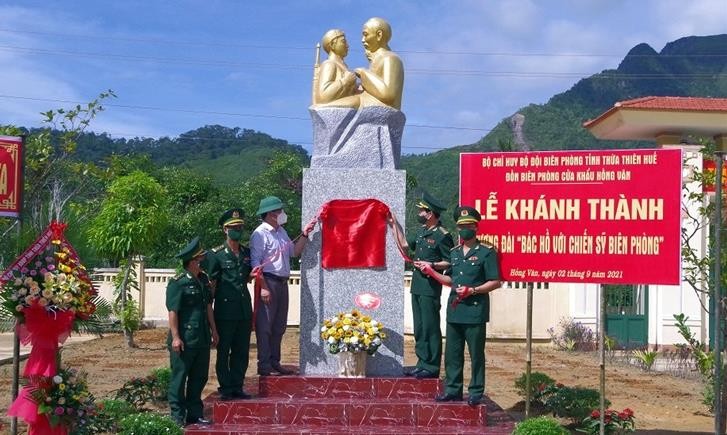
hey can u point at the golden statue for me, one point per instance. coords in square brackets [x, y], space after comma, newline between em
[333, 83]
[383, 82]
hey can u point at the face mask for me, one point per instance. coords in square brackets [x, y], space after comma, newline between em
[282, 218]
[466, 234]
[421, 219]
[235, 235]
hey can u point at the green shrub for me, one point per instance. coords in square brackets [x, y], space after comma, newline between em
[137, 392]
[540, 426]
[149, 423]
[110, 413]
[162, 376]
[538, 383]
[575, 403]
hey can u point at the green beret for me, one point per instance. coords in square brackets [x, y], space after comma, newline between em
[466, 215]
[193, 249]
[269, 203]
[431, 203]
[233, 216]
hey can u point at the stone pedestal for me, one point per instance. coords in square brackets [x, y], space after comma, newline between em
[324, 293]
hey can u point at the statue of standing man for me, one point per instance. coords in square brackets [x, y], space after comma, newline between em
[383, 82]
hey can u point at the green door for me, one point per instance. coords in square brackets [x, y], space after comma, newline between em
[627, 314]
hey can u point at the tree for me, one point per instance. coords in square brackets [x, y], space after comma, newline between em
[698, 217]
[132, 219]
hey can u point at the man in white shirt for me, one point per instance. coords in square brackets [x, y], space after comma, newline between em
[271, 248]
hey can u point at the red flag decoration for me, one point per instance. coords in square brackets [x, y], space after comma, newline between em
[11, 176]
[354, 233]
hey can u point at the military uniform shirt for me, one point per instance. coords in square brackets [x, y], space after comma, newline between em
[189, 297]
[432, 245]
[232, 297]
[477, 267]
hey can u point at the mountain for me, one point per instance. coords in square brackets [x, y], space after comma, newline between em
[228, 155]
[693, 66]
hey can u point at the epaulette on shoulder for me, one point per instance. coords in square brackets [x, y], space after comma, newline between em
[455, 247]
[177, 277]
[218, 248]
[443, 230]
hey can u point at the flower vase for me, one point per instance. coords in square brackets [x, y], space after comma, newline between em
[352, 364]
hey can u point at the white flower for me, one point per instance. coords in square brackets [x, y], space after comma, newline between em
[377, 341]
[23, 291]
[18, 282]
[57, 379]
[375, 330]
[354, 339]
[346, 327]
[331, 340]
[324, 329]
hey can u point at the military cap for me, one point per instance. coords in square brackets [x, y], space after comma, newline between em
[233, 216]
[193, 249]
[466, 215]
[269, 203]
[430, 203]
[328, 38]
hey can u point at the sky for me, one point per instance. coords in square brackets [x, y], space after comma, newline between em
[178, 65]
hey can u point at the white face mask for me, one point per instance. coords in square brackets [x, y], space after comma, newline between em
[282, 218]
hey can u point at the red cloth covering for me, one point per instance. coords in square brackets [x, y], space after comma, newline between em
[354, 233]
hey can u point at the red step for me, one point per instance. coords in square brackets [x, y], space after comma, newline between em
[318, 405]
[281, 429]
[348, 412]
[311, 387]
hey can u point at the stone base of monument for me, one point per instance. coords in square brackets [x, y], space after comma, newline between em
[326, 405]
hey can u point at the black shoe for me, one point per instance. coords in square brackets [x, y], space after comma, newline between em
[283, 371]
[266, 372]
[475, 400]
[425, 374]
[240, 394]
[446, 397]
[227, 396]
[412, 371]
[200, 420]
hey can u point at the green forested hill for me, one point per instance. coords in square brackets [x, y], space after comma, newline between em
[227, 155]
[693, 66]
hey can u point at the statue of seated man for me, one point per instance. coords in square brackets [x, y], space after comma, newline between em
[383, 82]
[336, 85]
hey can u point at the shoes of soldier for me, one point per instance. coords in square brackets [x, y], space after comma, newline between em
[282, 370]
[447, 397]
[240, 394]
[425, 374]
[199, 420]
[475, 400]
[412, 371]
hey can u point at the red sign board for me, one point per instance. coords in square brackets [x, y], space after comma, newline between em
[11, 176]
[607, 217]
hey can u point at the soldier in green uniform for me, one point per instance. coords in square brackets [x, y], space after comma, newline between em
[191, 333]
[431, 245]
[229, 269]
[474, 273]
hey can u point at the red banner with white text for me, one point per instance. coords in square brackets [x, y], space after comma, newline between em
[11, 176]
[607, 217]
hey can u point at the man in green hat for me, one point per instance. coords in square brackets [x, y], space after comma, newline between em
[229, 269]
[474, 273]
[192, 331]
[271, 249]
[431, 245]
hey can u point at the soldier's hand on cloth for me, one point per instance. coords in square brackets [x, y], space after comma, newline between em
[463, 291]
[425, 267]
[310, 226]
[178, 345]
[265, 295]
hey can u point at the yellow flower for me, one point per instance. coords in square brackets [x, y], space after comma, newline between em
[62, 387]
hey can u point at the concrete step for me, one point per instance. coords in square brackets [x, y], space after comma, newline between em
[282, 429]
